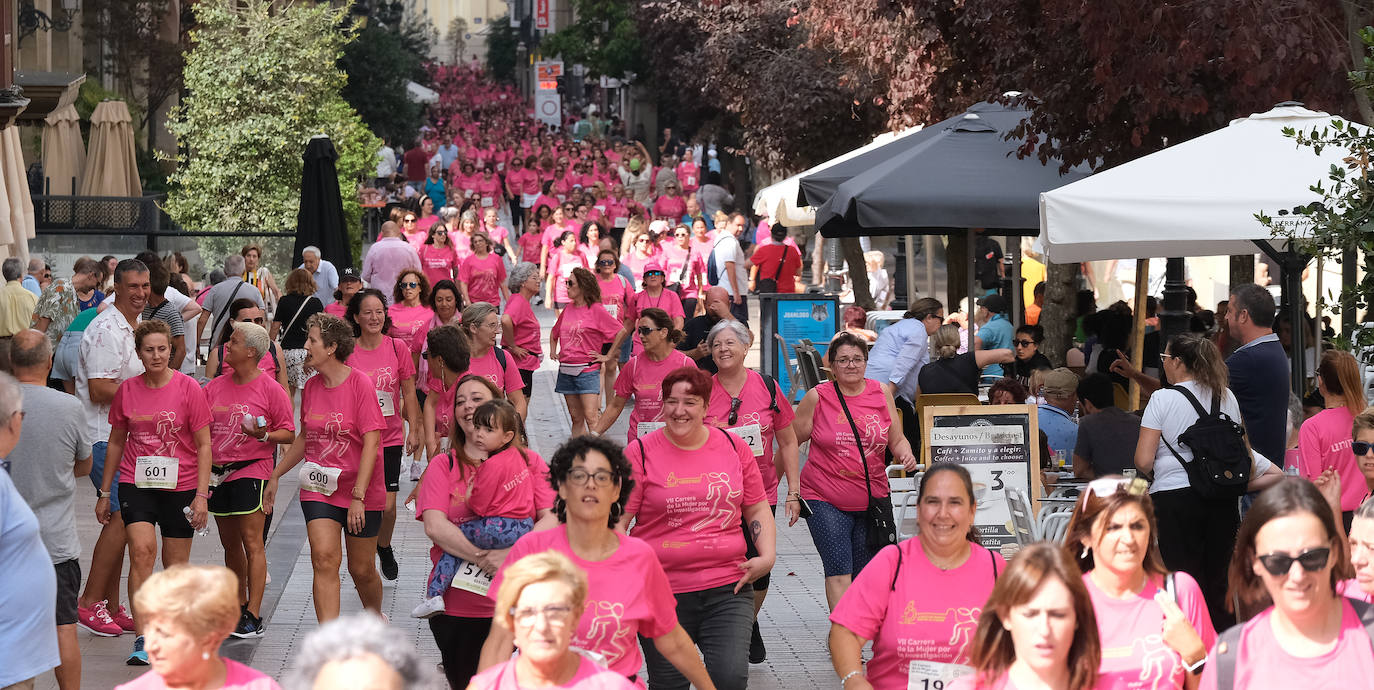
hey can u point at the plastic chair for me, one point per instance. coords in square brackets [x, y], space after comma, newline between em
[1055, 526]
[793, 368]
[1023, 525]
[905, 496]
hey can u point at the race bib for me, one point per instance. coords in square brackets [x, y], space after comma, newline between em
[470, 578]
[613, 310]
[621, 221]
[387, 401]
[933, 675]
[752, 434]
[488, 201]
[645, 428]
[218, 473]
[156, 472]
[500, 167]
[691, 181]
[321, 480]
[562, 198]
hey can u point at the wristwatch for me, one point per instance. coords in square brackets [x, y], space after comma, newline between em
[1196, 667]
[99, 494]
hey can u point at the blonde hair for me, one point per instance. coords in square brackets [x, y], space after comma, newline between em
[1364, 421]
[944, 342]
[1340, 373]
[254, 336]
[200, 599]
[533, 569]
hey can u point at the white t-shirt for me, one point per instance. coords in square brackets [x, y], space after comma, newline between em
[1171, 414]
[728, 249]
[107, 352]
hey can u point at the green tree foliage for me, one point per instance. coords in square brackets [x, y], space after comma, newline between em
[501, 43]
[389, 51]
[605, 39]
[262, 78]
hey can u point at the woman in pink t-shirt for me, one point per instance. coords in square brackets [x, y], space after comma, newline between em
[462, 237]
[1154, 625]
[656, 296]
[482, 325]
[482, 277]
[693, 484]
[1362, 527]
[638, 250]
[1324, 439]
[446, 353]
[349, 285]
[531, 246]
[1289, 558]
[617, 293]
[160, 431]
[387, 361]
[578, 341]
[642, 377]
[685, 268]
[628, 593]
[437, 256]
[409, 316]
[561, 263]
[1035, 631]
[943, 570]
[244, 451]
[500, 236]
[519, 326]
[837, 481]
[342, 489]
[589, 241]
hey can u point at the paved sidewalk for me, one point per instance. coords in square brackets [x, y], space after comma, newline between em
[793, 619]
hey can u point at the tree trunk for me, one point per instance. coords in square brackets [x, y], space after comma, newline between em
[858, 273]
[1060, 315]
[1356, 18]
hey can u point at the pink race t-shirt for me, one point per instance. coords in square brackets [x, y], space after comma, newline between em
[489, 366]
[230, 404]
[616, 292]
[410, 325]
[336, 309]
[589, 676]
[756, 407]
[484, 277]
[687, 506]
[387, 367]
[832, 472]
[667, 300]
[930, 614]
[443, 405]
[689, 175]
[504, 487]
[561, 265]
[627, 595]
[1351, 589]
[530, 245]
[1262, 663]
[1003, 682]
[1324, 443]
[636, 263]
[236, 677]
[581, 331]
[438, 263]
[334, 421]
[160, 422]
[526, 327]
[642, 379]
[1134, 655]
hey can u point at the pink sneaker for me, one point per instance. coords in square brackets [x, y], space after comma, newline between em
[123, 619]
[96, 619]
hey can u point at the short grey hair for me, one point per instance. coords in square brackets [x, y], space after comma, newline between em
[254, 336]
[353, 637]
[234, 265]
[448, 213]
[12, 268]
[741, 332]
[311, 250]
[11, 400]
[520, 274]
[36, 264]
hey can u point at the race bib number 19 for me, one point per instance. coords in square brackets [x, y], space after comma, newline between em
[470, 578]
[932, 675]
[156, 472]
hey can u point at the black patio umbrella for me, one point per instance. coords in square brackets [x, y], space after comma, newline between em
[960, 173]
[320, 221]
[815, 189]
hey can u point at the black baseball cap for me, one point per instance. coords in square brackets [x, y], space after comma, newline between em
[996, 304]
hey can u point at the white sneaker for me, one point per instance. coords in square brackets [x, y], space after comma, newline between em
[416, 469]
[429, 608]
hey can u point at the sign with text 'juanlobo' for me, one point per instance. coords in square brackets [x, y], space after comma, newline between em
[1000, 447]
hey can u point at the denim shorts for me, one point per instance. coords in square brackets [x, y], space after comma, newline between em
[585, 383]
[65, 360]
[98, 473]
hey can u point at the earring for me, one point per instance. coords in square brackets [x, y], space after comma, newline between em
[205, 656]
[1084, 554]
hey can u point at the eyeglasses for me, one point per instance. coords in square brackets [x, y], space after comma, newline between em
[408, 285]
[555, 615]
[653, 274]
[680, 234]
[1361, 447]
[1165, 355]
[605, 262]
[644, 331]
[1312, 560]
[424, 355]
[599, 477]
[850, 362]
[733, 417]
[408, 220]
[259, 320]
[1024, 343]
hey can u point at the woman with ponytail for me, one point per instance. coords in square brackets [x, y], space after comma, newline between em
[1324, 440]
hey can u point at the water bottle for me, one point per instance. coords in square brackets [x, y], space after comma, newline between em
[1291, 471]
[204, 531]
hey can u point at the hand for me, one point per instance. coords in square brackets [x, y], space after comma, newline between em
[908, 460]
[518, 351]
[490, 561]
[1122, 366]
[738, 299]
[602, 359]
[269, 496]
[200, 513]
[1329, 484]
[751, 284]
[1178, 632]
[754, 568]
[858, 683]
[250, 427]
[553, 356]
[414, 493]
[793, 511]
[356, 516]
[102, 510]
[413, 441]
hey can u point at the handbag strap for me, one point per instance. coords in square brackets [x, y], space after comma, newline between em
[782, 259]
[868, 483]
[292, 322]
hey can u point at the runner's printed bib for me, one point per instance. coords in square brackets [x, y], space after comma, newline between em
[644, 428]
[933, 675]
[752, 434]
[387, 401]
[470, 578]
[321, 480]
[156, 472]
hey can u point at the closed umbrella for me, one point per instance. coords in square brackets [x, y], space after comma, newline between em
[111, 169]
[320, 220]
[16, 207]
[64, 155]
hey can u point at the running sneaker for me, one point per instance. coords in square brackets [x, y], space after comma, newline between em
[429, 608]
[416, 470]
[96, 619]
[757, 652]
[390, 569]
[123, 619]
[249, 626]
[138, 657]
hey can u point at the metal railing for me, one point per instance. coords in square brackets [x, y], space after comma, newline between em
[116, 216]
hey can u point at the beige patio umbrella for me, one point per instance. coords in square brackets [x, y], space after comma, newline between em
[110, 167]
[16, 207]
[64, 154]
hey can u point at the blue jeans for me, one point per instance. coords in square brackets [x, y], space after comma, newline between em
[485, 533]
[720, 622]
[98, 473]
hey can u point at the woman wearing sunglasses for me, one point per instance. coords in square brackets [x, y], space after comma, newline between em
[577, 342]
[482, 276]
[1154, 625]
[1196, 536]
[1323, 441]
[686, 270]
[409, 314]
[247, 311]
[437, 255]
[655, 295]
[561, 263]
[1288, 560]
[642, 377]
[617, 294]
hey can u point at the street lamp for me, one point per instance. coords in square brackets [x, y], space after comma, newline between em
[31, 19]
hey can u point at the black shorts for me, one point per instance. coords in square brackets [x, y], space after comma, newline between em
[158, 506]
[68, 589]
[391, 467]
[527, 376]
[237, 497]
[420, 397]
[761, 584]
[319, 510]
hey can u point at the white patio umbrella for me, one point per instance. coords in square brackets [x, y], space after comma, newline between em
[421, 94]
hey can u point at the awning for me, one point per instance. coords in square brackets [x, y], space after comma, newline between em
[421, 94]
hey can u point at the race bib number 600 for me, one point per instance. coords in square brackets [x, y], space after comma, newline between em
[932, 675]
[322, 480]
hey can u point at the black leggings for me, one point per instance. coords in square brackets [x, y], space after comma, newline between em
[460, 643]
[1198, 536]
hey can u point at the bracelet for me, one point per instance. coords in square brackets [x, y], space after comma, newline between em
[203, 494]
[793, 500]
[849, 675]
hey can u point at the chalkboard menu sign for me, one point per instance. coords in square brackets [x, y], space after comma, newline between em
[1000, 447]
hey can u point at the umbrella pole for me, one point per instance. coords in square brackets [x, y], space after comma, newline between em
[972, 239]
[911, 290]
[930, 266]
[1317, 309]
[1142, 286]
[1017, 293]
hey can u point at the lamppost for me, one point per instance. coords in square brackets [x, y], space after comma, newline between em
[31, 19]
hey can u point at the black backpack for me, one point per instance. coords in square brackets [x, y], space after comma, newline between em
[1222, 465]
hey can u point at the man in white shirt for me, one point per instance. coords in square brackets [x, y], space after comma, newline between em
[107, 359]
[386, 163]
[326, 275]
[732, 267]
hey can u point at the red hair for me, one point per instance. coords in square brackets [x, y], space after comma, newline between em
[698, 382]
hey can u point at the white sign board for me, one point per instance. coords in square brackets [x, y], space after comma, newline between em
[548, 107]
